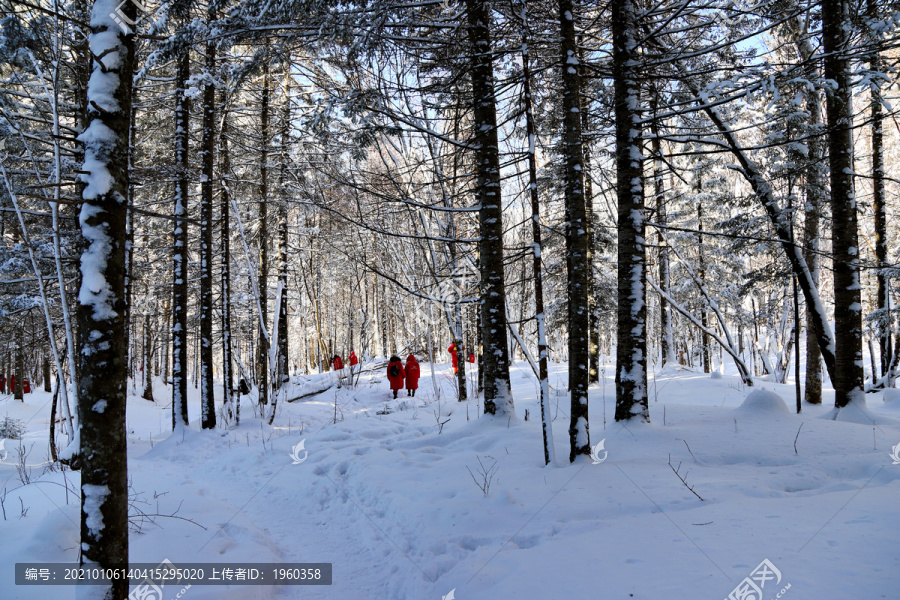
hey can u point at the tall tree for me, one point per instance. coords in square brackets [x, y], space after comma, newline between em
[631, 344]
[537, 269]
[848, 363]
[578, 266]
[262, 359]
[879, 204]
[495, 361]
[101, 311]
[180, 241]
[207, 179]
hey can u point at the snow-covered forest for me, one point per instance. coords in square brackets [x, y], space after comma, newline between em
[466, 299]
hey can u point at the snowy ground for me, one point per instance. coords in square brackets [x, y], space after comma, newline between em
[390, 501]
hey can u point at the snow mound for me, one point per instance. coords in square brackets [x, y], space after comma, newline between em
[858, 413]
[891, 398]
[763, 402]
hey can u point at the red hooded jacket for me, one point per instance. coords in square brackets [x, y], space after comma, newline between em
[396, 380]
[353, 359]
[412, 373]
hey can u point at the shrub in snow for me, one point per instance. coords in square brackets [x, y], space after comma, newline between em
[763, 401]
[12, 429]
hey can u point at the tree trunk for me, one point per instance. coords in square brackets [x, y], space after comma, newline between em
[20, 374]
[283, 374]
[701, 275]
[577, 231]
[593, 305]
[848, 365]
[147, 393]
[232, 400]
[538, 272]
[180, 256]
[101, 311]
[46, 373]
[207, 161]
[631, 346]
[262, 361]
[879, 206]
[497, 396]
[666, 334]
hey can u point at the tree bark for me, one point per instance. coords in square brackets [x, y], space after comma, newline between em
[848, 365]
[538, 271]
[578, 267]
[20, 374]
[666, 334]
[497, 396]
[262, 361]
[207, 161]
[879, 206]
[103, 374]
[180, 239]
[232, 400]
[631, 346]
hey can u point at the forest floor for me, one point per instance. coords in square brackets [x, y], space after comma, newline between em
[394, 501]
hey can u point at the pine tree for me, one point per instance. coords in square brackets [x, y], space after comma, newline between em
[103, 372]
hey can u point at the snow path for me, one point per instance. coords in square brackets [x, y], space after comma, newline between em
[391, 503]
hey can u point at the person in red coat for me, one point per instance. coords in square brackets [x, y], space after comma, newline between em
[353, 359]
[26, 387]
[338, 362]
[471, 357]
[412, 375]
[395, 374]
[452, 350]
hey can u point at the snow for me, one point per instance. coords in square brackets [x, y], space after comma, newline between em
[94, 497]
[390, 501]
[763, 402]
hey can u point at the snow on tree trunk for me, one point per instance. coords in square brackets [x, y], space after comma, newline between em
[631, 345]
[577, 231]
[207, 161]
[666, 334]
[538, 271]
[495, 361]
[262, 361]
[232, 400]
[101, 299]
[879, 206]
[180, 240]
[848, 365]
[282, 374]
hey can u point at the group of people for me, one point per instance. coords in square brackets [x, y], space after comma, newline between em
[399, 374]
[11, 385]
[452, 350]
[338, 363]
